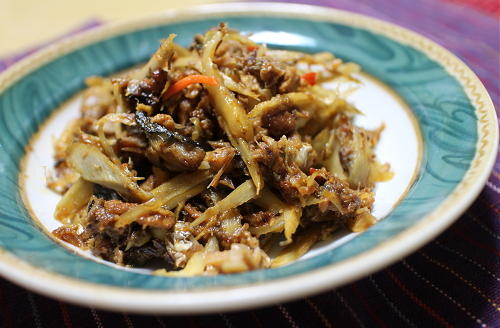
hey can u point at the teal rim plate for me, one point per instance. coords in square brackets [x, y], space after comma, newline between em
[453, 111]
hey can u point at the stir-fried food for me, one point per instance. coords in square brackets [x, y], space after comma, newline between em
[207, 157]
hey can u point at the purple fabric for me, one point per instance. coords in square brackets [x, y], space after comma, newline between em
[451, 282]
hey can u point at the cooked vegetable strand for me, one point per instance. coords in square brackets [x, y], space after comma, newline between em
[245, 192]
[187, 81]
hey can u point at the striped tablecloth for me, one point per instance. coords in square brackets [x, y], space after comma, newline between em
[451, 282]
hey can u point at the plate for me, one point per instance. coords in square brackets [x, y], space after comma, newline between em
[441, 140]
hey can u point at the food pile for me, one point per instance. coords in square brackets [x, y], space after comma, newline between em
[208, 157]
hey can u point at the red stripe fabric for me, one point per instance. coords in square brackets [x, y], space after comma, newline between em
[487, 6]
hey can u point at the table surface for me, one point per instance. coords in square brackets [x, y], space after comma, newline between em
[25, 23]
[451, 282]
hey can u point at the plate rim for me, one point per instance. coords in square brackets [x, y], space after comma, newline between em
[225, 298]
